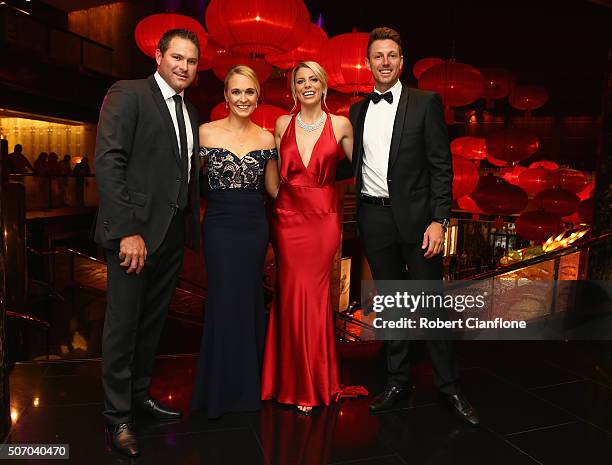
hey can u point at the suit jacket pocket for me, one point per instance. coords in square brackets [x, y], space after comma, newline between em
[138, 198]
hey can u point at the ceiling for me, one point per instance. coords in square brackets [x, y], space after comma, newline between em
[563, 46]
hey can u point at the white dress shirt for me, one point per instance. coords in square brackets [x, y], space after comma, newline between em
[377, 134]
[168, 92]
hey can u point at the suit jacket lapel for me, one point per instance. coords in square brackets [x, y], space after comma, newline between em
[165, 114]
[398, 126]
[359, 136]
[193, 119]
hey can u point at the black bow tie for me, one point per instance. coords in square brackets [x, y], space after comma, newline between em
[376, 97]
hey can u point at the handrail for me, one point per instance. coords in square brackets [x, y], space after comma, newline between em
[63, 250]
[31, 318]
[542, 258]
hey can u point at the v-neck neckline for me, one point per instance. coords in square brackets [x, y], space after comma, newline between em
[314, 147]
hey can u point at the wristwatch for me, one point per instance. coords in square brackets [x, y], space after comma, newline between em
[444, 222]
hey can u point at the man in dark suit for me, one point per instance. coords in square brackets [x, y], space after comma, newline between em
[403, 169]
[147, 176]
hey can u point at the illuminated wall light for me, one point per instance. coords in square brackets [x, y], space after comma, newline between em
[36, 402]
[14, 415]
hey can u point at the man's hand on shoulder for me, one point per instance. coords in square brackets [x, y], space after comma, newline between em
[433, 240]
[133, 252]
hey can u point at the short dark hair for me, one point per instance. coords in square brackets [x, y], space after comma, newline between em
[384, 33]
[164, 41]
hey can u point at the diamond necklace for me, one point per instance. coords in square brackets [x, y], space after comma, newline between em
[310, 127]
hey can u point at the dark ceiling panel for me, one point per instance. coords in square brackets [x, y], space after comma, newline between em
[73, 5]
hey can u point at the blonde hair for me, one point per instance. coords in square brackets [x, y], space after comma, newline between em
[246, 71]
[320, 74]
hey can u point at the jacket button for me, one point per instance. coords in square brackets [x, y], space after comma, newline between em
[178, 179]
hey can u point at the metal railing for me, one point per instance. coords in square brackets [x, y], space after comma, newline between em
[548, 266]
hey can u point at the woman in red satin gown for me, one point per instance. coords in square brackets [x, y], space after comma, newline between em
[300, 364]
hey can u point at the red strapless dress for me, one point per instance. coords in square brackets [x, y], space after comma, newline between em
[300, 363]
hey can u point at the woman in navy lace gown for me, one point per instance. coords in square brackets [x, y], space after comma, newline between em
[240, 159]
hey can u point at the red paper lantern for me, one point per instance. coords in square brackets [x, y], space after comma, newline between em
[306, 51]
[219, 111]
[585, 210]
[538, 225]
[534, 180]
[472, 148]
[262, 27]
[210, 52]
[496, 196]
[565, 178]
[264, 115]
[457, 83]
[343, 57]
[344, 110]
[587, 191]
[276, 92]
[574, 218]
[150, 29]
[511, 145]
[528, 97]
[547, 165]
[495, 161]
[512, 173]
[557, 201]
[498, 83]
[424, 64]
[335, 100]
[465, 176]
[225, 60]
[467, 203]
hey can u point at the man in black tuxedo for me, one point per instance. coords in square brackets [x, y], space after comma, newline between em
[147, 176]
[403, 169]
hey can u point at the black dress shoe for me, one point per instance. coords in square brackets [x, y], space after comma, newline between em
[462, 407]
[154, 408]
[387, 399]
[121, 437]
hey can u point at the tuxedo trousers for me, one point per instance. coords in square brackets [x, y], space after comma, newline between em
[390, 258]
[136, 309]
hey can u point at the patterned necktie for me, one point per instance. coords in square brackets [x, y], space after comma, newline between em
[180, 117]
[376, 97]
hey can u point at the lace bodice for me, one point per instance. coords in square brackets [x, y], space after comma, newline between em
[228, 171]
